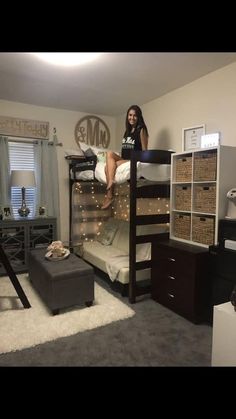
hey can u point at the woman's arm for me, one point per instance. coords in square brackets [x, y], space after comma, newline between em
[144, 139]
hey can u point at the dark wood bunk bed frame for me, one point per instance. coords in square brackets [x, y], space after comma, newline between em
[155, 190]
[161, 190]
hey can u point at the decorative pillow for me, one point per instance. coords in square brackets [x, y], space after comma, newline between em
[89, 152]
[74, 153]
[96, 150]
[107, 235]
[101, 156]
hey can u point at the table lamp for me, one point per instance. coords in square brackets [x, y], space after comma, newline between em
[23, 179]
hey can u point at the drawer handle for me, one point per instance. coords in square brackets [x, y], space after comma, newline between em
[171, 259]
[171, 295]
[171, 277]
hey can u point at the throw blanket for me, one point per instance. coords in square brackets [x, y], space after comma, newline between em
[116, 263]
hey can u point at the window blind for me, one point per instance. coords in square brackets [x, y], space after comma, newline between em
[21, 154]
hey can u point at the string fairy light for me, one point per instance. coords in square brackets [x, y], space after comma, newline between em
[119, 209]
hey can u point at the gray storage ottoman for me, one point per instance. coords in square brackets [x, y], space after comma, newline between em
[63, 283]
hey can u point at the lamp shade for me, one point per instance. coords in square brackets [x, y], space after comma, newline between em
[23, 178]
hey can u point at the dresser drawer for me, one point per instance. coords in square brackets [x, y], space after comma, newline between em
[177, 291]
[180, 303]
[174, 261]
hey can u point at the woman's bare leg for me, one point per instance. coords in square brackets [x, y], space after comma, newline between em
[111, 159]
[112, 162]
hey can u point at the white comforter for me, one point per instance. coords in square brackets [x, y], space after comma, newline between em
[149, 171]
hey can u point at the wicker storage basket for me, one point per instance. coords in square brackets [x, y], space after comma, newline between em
[182, 225]
[205, 166]
[183, 198]
[203, 230]
[205, 198]
[183, 169]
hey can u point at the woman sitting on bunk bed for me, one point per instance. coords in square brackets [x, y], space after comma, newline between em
[135, 138]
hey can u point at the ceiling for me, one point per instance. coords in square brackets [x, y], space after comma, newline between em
[107, 86]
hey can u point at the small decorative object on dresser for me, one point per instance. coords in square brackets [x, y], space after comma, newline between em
[6, 212]
[42, 211]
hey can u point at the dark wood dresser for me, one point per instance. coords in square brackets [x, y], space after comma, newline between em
[180, 279]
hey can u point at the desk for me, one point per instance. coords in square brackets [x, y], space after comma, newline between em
[224, 335]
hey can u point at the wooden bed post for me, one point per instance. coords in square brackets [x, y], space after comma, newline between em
[132, 228]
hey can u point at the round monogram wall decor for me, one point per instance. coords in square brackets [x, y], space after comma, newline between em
[93, 131]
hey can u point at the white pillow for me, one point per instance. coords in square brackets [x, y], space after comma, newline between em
[122, 172]
[85, 175]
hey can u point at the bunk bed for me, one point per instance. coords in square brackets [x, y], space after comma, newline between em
[150, 190]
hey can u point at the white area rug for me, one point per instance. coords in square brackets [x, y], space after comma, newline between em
[23, 328]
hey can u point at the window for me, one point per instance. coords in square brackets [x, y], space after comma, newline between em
[21, 155]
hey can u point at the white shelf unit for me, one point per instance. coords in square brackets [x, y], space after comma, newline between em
[200, 180]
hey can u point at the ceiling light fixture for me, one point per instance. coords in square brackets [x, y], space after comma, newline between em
[67, 58]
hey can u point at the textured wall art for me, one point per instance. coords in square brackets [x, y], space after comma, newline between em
[93, 131]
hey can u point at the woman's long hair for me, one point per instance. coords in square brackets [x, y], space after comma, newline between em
[140, 121]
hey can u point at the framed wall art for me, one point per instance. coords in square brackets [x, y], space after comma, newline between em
[191, 137]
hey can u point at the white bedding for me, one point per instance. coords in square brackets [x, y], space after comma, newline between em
[85, 175]
[150, 171]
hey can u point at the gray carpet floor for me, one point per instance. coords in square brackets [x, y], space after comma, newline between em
[154, 336]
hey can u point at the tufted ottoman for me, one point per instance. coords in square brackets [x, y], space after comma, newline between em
[63, 283]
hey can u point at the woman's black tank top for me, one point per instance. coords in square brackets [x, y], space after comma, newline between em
[131, 142]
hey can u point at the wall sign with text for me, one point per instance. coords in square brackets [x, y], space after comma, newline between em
[93, 131]
[18, 127]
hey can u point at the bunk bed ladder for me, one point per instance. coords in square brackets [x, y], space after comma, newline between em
[150, 156]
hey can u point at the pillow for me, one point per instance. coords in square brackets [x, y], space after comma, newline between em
[122, 172]
[70, 152]
[107, 234]
[84, 147]
[96, 150]
[86, 175]
[89, 152]
[101, 156]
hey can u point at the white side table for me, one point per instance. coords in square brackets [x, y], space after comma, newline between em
[224, 335]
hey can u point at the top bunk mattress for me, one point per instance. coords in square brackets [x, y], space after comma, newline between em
[152, 172]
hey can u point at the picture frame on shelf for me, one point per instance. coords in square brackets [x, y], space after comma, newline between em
[6, 213]
[191, 137]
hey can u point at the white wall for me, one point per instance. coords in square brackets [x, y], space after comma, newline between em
[65, 122]
[210, 100]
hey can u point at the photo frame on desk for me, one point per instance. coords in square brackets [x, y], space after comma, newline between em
[191, 137]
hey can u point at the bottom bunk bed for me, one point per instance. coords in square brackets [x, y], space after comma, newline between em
[118, 240]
